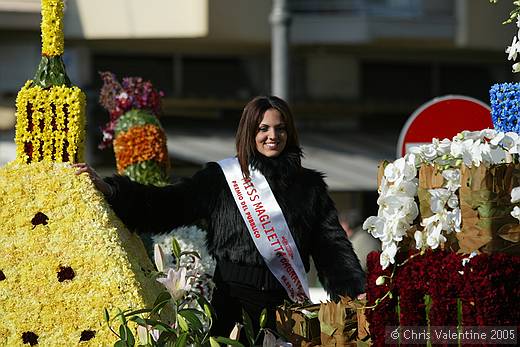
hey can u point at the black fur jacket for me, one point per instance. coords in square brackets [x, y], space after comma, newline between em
[300, 192]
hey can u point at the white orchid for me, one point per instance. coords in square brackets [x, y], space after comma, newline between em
[516, 213]
[374, 225]
[513, 50]
[434, 235]
[515, 195]
[420, 239]
[176, 283]
[438, 199]
[388, 255]
[398, 189]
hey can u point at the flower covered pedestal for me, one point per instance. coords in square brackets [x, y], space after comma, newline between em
[65, 257]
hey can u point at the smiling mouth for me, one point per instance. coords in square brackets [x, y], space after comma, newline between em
[272, 145]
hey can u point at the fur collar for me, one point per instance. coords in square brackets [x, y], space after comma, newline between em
[285, 165]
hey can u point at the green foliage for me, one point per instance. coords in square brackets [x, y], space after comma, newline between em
[135, 118]
[51, 72]
[147, 172]
[176, 323]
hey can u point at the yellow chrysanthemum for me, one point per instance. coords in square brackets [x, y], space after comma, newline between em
[65, 256]
[52, 28]
[50, 124]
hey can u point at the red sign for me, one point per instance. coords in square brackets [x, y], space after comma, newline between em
[441, 118]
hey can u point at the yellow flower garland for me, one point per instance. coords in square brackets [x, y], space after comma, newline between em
[51, 122]
[83, 233]
[52, 28]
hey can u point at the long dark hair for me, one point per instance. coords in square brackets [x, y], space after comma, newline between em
[252, 116]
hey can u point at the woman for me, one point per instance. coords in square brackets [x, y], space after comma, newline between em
[267, 145]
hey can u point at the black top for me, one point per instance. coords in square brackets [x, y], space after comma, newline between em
[300, 192]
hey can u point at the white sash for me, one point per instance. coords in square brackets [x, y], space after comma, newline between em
[267, 226]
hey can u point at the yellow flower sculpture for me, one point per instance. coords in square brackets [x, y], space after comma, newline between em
[50, 111]
[64, 255]
[52, 27]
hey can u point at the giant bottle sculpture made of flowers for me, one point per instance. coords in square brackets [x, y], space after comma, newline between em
[65, 256]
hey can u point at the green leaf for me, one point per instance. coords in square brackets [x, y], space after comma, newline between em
[138, 320]
[192, 318]
[161, 301]
[135, 118]
[122, 333]
[248, 327]
[208, 309]
[130, 340]
[106, 316]
[228, 341]
[263, 318]
[213, 342]
[51, 72]
[120, 343]
[182, 323]
[176, 248]
[158, 325]
[136, 312]
[181, 341]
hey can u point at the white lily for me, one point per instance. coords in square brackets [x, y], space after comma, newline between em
[146, 334]
[158, 256]
[175, 282]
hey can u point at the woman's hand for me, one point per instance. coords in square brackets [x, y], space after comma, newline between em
[100, 184]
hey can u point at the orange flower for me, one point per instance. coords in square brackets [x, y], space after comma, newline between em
[138, 144]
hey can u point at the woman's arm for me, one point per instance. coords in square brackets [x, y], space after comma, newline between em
[338, 266]
[147, 208]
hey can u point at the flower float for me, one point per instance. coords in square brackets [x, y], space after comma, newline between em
[134, 129]
[66, 259]
[450, 240]
[50, 111]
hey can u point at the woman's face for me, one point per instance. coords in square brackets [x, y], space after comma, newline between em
[271, 136]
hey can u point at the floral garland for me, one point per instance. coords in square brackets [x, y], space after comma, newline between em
[52, 28]
[50, 124]
[65, 256]
[486, 286]
[398, 209]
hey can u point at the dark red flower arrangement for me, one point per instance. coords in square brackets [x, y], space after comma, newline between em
[486, 285]
[118, 98]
